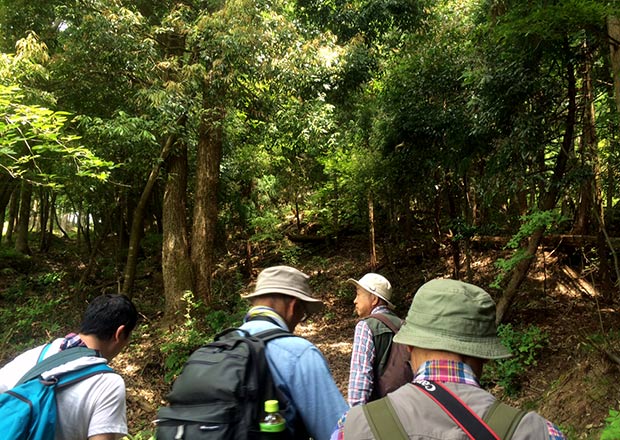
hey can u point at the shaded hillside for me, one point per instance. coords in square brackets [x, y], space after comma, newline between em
[571, 384]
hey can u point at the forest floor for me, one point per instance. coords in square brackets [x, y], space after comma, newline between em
[574, 382]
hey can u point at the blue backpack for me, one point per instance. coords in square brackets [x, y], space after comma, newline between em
[28, 410]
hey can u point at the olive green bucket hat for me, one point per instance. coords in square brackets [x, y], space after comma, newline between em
[450, 315]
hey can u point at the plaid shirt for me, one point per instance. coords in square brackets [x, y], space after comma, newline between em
[361, 374]
[448, 371]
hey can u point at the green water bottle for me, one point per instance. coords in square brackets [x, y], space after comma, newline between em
[273, 425]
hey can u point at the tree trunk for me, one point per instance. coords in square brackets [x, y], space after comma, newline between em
[610, 176]
[91, 258]
[78, 226]
[373, 245]
[297, 217]
[176, 262]
[44, 239]
[50, 231]
[593, 161]
[2, 218]
[437, 215]
[454, 242]
[57, 220]
[548, 198]
[13, 207]
[86, 231]
[613, 30]
[21, 241]
[209, 156]
[7, 188]
[590, 214]
[137, 231]
[469, 222]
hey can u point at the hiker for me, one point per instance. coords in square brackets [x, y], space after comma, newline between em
[450, 331]
[93, 408]
[282, 298]
[372, 340]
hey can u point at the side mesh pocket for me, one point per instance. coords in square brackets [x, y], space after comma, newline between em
[214, 421]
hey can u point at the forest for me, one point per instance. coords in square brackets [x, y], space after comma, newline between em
[170, 150]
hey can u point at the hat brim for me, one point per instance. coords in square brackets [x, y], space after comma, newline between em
[312, 305]
[483, 348]
[387, 301]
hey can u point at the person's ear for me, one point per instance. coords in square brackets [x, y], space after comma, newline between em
[290, 307]
[375, 301]
[120, 333]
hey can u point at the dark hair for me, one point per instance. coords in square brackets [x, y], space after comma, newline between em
[106, 313]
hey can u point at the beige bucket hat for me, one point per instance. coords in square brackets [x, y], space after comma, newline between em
[377, 285]
[286, 281]
[451, 315]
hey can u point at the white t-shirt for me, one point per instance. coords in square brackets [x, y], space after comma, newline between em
[95, 405]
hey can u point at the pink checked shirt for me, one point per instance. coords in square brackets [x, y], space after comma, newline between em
[361, 375]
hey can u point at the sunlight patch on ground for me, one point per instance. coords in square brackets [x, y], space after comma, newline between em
[336, 347]
[144, 394]
[129, 368]
[307, 329]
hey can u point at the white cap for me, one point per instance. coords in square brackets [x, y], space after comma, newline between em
[377, 285]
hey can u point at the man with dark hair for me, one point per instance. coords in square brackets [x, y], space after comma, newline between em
[450, 332]
[283, 298]
[93, 408]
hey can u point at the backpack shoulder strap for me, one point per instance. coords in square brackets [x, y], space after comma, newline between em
[56, 360]
[273, 333]
[385, 320]
[503, 419]
[44, 350]
[383, 420]
[71, 377]
[471, 424]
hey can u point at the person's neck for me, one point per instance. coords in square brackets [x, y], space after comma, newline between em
[275, 307]
[419, 356]
[94, 343]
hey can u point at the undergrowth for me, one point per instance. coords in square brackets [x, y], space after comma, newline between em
[526, 346]
[612, 426]
[199, 326]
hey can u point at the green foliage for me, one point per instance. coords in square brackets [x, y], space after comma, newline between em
[177, 345]
[50, 279]
[345, 293]
[461, 230]
[529, 224]
[142, 435]
[525, 346]
[292, 254]
[31, 317]
[10, 259]
[198, 327]
[533, 221]
[612, 426]
[32, 143]
[373, 19]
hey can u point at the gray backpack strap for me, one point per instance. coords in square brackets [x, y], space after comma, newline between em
[503, 419]
[385, 424]
[383, 420]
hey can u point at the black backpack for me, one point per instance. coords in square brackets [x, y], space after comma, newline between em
[221, 390]
[396, 371]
